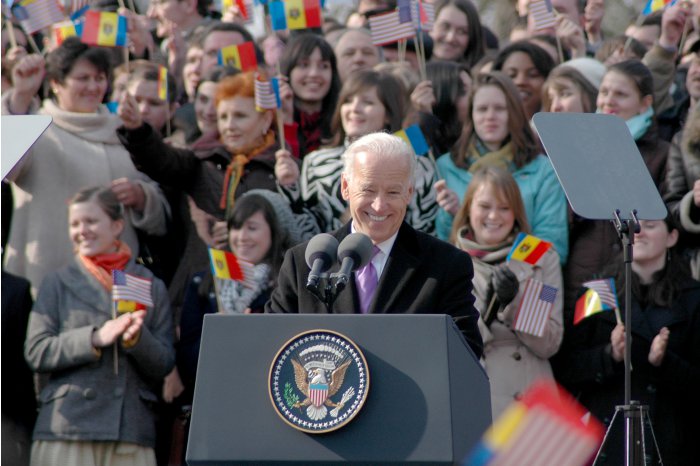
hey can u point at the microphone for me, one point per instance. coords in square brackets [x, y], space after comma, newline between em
[355, 251]
[320, 254]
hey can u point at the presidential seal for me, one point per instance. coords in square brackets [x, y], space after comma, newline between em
[318, 381]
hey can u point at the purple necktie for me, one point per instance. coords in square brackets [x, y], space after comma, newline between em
[366, 281]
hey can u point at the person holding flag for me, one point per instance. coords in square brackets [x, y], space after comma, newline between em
[665, 349]
[519, 297]
[369, 102]
[499, 134]
[79, 148]
[102, 331]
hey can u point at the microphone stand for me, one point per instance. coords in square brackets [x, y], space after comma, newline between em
[324, 292]
[635, 414]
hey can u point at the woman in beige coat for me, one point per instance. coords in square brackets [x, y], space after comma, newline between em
[79, 148]
[486, 227]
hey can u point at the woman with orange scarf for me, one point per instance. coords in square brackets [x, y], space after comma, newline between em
[105, 361]
[247, 139]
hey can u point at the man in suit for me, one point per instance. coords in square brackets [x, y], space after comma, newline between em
[413, 273]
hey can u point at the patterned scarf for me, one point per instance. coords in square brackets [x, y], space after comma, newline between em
[479, 156]
[101, 265]
[235, 169]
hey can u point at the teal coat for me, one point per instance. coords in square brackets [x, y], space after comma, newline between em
[545, 203]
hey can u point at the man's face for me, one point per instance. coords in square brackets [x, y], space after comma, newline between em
[692, 80]
[169, 14]
[214, 42]
[355, 52]
[378, 193]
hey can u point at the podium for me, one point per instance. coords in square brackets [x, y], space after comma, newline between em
[428, 400]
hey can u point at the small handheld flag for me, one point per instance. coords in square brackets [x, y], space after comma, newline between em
[35, 15]
[105, 29]
[542, 14]
[163, 83]
[295, 14]
[528, 248]
[245, 7]
[63, 30]
[112, 106]
[267, 94]
[600, 296]
[656, 5]
[240, 56]
[423, 14]
[387, 28]
[543, 428]
[535, 308]
[413, 136]
[127, 287]
[226, 266]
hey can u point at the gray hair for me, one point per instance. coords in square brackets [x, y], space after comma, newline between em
[386, 145]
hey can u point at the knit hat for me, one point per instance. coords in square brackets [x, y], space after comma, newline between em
[286, 219]
[590, 68]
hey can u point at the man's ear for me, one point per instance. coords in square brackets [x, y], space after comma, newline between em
[344, 187]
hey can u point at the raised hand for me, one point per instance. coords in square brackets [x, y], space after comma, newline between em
[446, 198]
[129, 193]
[129, 113]
[286, 168]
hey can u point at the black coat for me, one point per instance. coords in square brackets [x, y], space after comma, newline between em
[423, 275]
[585, 366]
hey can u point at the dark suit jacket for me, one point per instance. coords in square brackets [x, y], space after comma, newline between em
[423, 275]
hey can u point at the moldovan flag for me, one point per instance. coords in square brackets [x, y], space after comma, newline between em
[528, 248]
[104, 28]
[239, 56]
[227, 266]
[63, 30]
[163, 83]
[387, 28]
[267, 94]
[535, 308]
[600, 296]
[543, 428]
[413, 136]
[127, 287]
[656, 5]
[295, 14]
[542, 14]
[34, 15]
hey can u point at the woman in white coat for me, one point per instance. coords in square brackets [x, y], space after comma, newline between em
[486, 227]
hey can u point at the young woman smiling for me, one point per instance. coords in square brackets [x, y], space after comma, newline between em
[499, 134]
[309, 92]
[486, 226]
[91, 413]
[457, 33]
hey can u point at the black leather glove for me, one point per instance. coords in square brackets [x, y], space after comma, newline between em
[505, 284]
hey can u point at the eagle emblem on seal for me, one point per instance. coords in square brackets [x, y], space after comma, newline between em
[318, 381]
[312, 381]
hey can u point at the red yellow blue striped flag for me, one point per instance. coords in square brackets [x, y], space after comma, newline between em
[240, 56]
[63, 30]
[528, 248]
[105, 29]
[295, 14]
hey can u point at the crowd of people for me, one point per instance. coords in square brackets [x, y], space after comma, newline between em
[133, 178]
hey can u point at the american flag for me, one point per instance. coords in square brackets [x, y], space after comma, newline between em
[605, 289]
[544, 427]
[404, 9]
[542, 14]
[129, 287]
[535, 307]
[267, 94]
[386, 28]
[423, 14]
[35, 15]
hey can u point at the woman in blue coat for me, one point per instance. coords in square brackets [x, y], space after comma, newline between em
[498, 134]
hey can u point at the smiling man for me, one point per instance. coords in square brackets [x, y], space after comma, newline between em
[413, 273]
